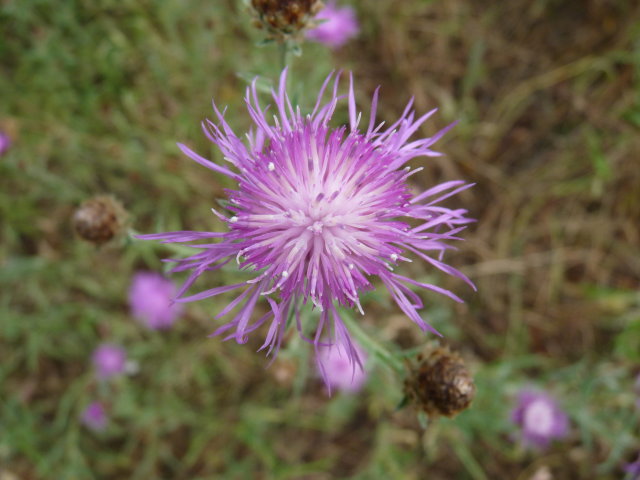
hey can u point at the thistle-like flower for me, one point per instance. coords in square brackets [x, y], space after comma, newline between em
[338, 25]
[633, 470]
[94, 417]
[335, 366]
[109, 361]
[319, 214]
[540, 418]
[151, 300]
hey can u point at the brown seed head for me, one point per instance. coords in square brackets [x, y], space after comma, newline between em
[99, 219]
[285, 19]
[440, 383]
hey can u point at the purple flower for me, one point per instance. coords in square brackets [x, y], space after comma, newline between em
[5, 143]
[540, 418]
[338, 26]
[633, 469]
[94, 416]
[336, 367]
[318, 214]
[151, 299]
[109, 361]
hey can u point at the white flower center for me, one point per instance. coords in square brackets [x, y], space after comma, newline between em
[538, 418]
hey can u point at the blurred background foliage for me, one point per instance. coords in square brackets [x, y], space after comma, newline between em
[96, 94]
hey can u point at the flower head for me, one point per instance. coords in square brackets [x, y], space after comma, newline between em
[151, 300]
[540, 418]
[94, 416]
[633, 469]
[319, 213]
[109, 361]
[99, 219]
[340, 25]
[440, 383]
[335, 365]
[284, 20]
[5, 143]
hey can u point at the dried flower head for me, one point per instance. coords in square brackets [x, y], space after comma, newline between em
[109, 361]
[99, 219]
[440, 384]
[540, 419]
[318, 214]
[94, 417]
[151, 300]
[336, 26]
[285, 19]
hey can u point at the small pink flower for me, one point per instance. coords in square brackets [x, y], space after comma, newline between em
[336, 366]
[109, 361]
[94, 417]
[151, 299]
[633, 469]
[540, 418]
[339, 24]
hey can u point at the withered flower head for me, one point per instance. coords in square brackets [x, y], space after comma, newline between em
[440, 383]
[99, 219]
[285, 19]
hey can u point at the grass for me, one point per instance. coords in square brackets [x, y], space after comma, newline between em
[95, 96]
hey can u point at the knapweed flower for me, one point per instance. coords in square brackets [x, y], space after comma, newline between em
[151, 300]
[109, 361]
[318, 215]
[336, 367]
[94, 417]
[633, 470]
[540, 419]
[5, 143]
[338, 25]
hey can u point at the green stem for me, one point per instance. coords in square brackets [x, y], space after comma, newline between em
[468, 460]
[284, 54]
[371, 345]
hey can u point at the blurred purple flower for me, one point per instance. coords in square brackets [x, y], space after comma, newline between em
[317, 216]
[109, 361]
[5, 143]
[540, 419]
[94, 417]
[339, 25]
[633, 469]
[335, 366]
[151, 300]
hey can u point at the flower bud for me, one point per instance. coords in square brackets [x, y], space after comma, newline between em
[440, 384]
[99, 219]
